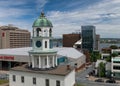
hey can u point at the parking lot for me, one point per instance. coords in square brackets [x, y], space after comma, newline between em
[93, 78]
[4, 74]
[81, 77]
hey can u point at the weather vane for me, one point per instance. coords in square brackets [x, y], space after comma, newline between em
[42, 13]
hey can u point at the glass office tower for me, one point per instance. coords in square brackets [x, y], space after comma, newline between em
[88, 37]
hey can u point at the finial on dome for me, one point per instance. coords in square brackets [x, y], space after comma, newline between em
[42, 14]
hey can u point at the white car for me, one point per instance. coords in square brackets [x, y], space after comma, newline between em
[87, 76]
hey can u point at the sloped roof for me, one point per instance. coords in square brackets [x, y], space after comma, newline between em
[63, 51]
[79, 42]
[61, 70]
[69, 52]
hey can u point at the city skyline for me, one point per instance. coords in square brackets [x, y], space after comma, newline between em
[67, 16]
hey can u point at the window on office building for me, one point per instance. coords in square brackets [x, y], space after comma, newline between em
[116, 67]
[14, 78]
[47, 82]
[22, 79]
[57, 83]
[116, 61]
[34, 80]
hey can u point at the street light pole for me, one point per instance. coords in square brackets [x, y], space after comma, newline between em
[99, 71]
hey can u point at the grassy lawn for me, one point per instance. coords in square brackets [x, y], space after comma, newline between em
[79, 85]
[3, 81]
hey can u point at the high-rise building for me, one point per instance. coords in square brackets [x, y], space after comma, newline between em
[88, 37]
[13, 37]
[97, 42]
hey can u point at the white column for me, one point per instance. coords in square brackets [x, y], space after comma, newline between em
[56, 60]
[35, 33]
[39, 62]
[53, 61]
[33, 62]
[102, 56]
[47, 62]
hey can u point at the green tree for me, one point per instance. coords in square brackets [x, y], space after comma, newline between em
[108, 59]
[94, 56]
[114, 54]
[101, 69]
[79, 85]
[114, 47]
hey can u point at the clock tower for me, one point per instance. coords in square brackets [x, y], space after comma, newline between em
[42, 55]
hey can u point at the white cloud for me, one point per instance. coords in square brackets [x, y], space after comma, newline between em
[105, 15]
[107, 30]
[40, 4]
[13, 12]
[9, 3]
[12, 8]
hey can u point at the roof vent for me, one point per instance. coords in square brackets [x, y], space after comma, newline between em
[68, 67]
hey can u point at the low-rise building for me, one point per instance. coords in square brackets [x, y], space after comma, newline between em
[115, 51]
[70, 39]
[59, 76]
[115, 67]
[42, 68]
[104, 55]
[17, 56]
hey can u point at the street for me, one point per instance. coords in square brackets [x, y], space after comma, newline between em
[81, 78]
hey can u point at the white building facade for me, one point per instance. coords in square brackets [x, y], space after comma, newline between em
[115, 64]
[115, 67]
[42, 68]
[22, 78]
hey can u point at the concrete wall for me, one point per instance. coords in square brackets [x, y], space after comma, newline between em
[80, 61]
[70, 79]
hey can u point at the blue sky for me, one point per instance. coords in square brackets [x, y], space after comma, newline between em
[67, 16]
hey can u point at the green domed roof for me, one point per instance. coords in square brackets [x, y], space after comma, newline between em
[42, 21]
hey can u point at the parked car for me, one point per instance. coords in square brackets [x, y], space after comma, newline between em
[111, 81]
[4, 76]
[87, 76]
[90, 73]
[99, 80]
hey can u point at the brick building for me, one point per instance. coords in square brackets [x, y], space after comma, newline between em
[70, 39]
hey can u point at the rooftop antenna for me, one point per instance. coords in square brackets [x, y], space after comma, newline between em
[77, 31]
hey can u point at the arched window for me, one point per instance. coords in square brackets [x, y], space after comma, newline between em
[38, 30]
